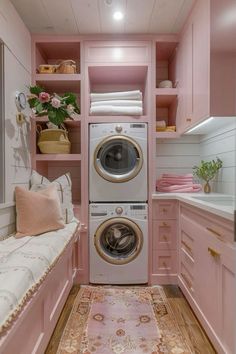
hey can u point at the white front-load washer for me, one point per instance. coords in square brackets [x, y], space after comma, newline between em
[118, 243]
[118, 162]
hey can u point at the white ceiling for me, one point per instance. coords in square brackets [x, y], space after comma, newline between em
[95, 16]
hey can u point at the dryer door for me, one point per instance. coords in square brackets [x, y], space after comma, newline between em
[118, 158]
[118, 240]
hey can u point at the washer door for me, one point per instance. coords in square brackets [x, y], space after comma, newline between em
[118, 240]
[118, 159]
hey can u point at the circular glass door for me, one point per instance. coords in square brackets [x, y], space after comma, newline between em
[118, 240]
[118, 159]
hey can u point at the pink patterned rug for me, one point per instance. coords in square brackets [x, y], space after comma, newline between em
[116, 320]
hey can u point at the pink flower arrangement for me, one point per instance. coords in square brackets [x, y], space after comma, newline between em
[56, 107]
[44, 97]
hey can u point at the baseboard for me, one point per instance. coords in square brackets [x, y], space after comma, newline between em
[163, 279]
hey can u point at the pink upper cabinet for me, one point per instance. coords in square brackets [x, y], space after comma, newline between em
[117, 52]
[207, 70]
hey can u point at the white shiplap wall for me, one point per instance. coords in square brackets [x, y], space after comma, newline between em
[17, 76]
[177, 155]
[222, 143]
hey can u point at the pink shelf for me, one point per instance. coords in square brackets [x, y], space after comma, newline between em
[58, 157]
[122, 119]
[69, 123]
[59, 82]
[57, 77]
[165, 96]
[167, 135]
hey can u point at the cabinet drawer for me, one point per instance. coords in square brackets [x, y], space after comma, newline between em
[164, 262]
[164, 234]
[186, 277]
[164, 209]
[117, 52]
[215, 226]
[187, 261]
[187, 242]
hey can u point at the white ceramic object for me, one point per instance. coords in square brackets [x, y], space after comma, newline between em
[165, 84]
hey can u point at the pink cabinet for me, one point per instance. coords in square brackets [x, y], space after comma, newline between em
[207, 273]
[164, 242]
[206, 64]
[117, 52]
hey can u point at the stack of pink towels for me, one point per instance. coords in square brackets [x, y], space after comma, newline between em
[177, 183]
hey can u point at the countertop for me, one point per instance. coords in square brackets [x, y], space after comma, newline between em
[224, 211]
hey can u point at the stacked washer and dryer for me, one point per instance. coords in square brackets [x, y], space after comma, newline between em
[118, 210]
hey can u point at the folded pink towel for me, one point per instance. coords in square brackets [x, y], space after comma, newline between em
[177, 183]
[180, 189]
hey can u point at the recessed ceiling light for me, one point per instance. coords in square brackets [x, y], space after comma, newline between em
[118, 15]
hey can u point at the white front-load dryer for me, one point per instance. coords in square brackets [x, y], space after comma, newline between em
[118, 243]
[118, 162]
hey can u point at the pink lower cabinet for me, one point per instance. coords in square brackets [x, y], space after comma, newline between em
[164, 242]
[207, 273]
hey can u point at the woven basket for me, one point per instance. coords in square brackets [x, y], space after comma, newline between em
[66, 67]
[53, 141]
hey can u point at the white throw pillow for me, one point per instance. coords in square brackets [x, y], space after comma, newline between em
[64, 186]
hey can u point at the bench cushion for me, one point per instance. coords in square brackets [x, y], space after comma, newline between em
[24, 263]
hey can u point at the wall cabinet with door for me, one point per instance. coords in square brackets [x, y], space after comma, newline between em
[206, 64]
[207, 273]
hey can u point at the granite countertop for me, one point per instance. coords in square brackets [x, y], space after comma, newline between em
[219, 204]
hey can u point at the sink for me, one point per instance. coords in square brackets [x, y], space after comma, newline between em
[223, 200]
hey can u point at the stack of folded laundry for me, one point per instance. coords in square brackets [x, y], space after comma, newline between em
[162, 127]
[117, 103]
[177, 183]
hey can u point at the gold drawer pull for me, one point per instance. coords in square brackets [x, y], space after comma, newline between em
[188, 120]
[165, 237]
[164, 264]
[187, 281]
[214, 232]
[187, 246]
[164, 224]
[213, 253]
[164, 210]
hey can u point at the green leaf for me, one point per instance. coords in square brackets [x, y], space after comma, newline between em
[33, 102]
[36, 90]
[57, 116]
[39, 107]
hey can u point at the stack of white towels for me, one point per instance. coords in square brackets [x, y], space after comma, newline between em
[117, 103]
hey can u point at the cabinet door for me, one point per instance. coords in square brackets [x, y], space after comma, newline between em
[185, 79]
[201, 60]
[227, 298]
[207, 278]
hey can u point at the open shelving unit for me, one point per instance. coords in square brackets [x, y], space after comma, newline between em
[166, 98]
[51, 51]
[114, 78]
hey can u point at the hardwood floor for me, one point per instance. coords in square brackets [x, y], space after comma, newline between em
[184, 316]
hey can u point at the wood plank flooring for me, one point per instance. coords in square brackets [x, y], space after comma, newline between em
[185, 317]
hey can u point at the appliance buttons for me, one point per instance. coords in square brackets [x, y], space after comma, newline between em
[118, 128]
[119, 210]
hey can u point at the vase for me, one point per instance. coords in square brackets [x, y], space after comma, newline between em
[207, 187]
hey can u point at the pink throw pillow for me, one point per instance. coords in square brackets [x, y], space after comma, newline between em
[37, 212]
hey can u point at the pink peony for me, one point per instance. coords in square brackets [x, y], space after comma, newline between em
[44, 97]
[56, 103]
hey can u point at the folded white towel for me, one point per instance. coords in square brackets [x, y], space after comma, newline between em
[124, 95]
[121, 103]
[116, 110]
[160, 123]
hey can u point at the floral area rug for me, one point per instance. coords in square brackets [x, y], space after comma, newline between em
[116, 320]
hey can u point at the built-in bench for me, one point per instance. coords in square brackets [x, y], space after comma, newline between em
[36, 275]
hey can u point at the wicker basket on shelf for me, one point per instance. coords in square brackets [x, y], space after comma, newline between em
[53, 141]
[66, 67]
